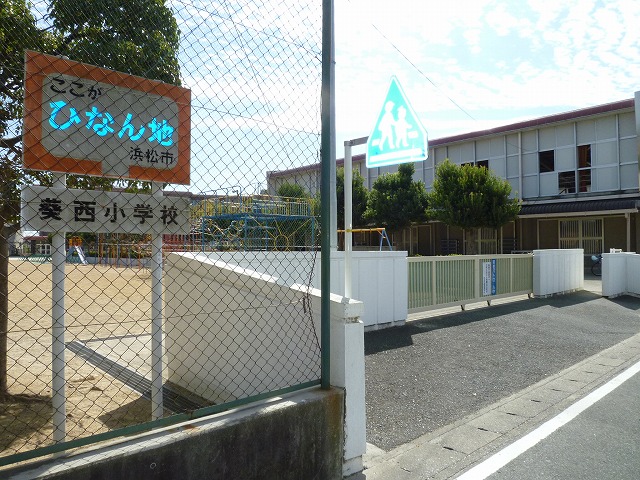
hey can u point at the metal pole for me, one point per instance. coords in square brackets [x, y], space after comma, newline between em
[348, 223]
[327, 155]
[348, 212]
[156, 319]
[58, 383]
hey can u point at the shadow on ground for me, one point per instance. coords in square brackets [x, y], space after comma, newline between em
[429, 373]
[25, 423]
[380, 340]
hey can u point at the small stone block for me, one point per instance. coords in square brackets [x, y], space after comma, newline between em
[467, 439]
[498, 422]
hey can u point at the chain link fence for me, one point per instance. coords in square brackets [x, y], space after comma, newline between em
[151, 277]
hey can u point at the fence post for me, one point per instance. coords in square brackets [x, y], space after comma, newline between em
[434, 296]
[477, 279]
[348, 372]
[327, 181]
[511, 260]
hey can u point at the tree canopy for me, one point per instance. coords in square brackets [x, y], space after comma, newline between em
[396, 200]
[469, 196]
[359, 195]
[139, 37]
[292, 190]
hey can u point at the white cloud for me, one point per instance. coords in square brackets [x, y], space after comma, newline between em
[492, 58]
[498, 60]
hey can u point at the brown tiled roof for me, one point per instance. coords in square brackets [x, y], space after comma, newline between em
[580, 206]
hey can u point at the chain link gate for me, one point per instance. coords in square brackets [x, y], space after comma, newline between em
[151, 281]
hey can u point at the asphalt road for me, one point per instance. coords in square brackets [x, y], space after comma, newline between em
[601, 443]
[430, 373]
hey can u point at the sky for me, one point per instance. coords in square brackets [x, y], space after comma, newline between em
[253, 68]
[470, 65]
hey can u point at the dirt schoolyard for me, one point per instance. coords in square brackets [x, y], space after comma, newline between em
[102, 304]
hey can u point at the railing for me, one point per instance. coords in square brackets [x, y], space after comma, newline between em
[263, 204]
[436, 282]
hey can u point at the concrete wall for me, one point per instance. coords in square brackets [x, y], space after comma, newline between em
[557, 271]
[379, 278]
[203, 342]
[293, 438]
[231, 332]
[379, 281]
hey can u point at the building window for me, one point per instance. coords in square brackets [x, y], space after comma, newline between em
[43, 249]
[546, 161]
[482, 163]
[584, 156]
[566, 182]
[584, 179]
[584, 168]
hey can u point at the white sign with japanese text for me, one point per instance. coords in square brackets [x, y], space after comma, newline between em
[60, 209]
[489, 278]
[118, 126]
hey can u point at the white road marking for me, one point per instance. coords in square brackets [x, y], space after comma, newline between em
[506, 455]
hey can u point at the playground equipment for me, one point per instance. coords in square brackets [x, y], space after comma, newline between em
[382, 232]
[258, 222]
[229, 223]
[75, 254]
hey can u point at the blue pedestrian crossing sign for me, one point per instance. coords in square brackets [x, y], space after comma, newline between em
[398, 136]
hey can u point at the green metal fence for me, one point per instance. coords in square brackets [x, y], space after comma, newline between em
[436, 282]
[158, 118]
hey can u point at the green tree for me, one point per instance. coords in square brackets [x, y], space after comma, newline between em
[470, 197]
[359, 195]
[139, 37]
[396, 200]
[292, 190]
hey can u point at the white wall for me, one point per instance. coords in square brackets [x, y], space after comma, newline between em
[213, 313]
[379, 278]
[557, 271]
[620, 274]
[217, 313]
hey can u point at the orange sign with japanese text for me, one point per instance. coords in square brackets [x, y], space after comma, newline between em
[88, 120]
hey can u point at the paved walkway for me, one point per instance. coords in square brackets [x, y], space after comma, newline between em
[449, 451]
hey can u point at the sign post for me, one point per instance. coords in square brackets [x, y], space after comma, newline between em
[58, 382]
[88, 120]
[348, 212]
[398, 137]
[157, 410]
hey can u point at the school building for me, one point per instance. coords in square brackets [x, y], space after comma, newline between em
[576, 173]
